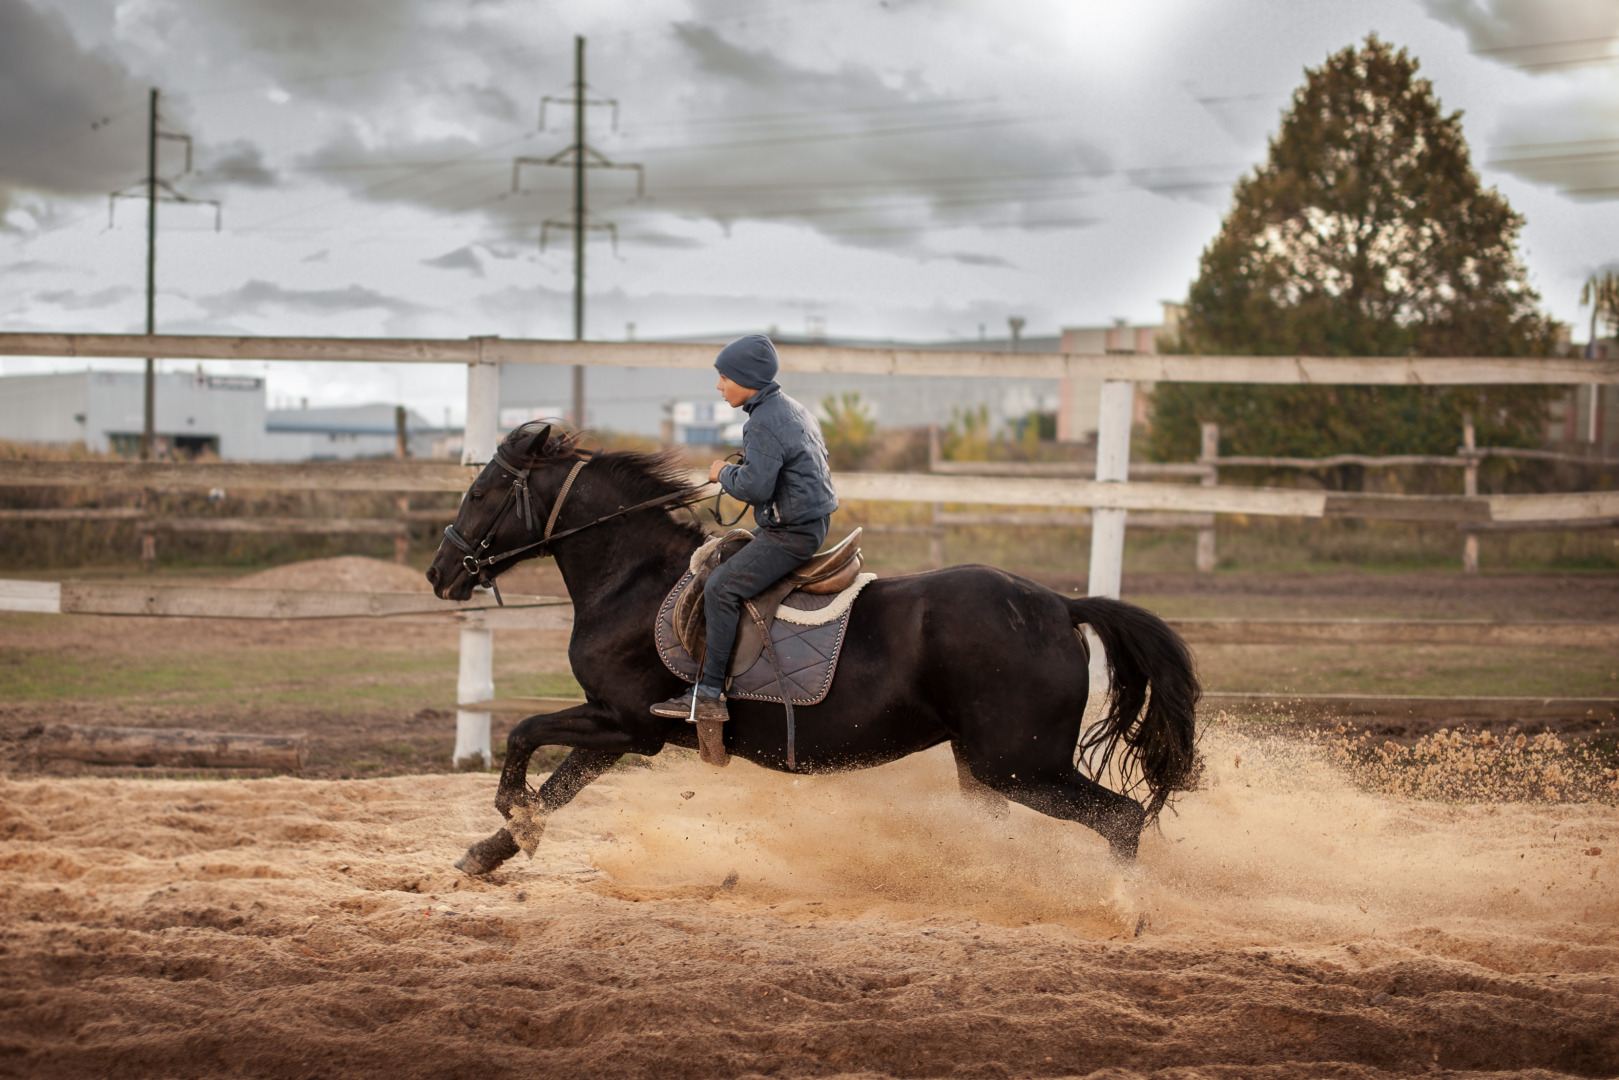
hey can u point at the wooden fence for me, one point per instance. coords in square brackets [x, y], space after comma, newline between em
[1109, 496]
[476, 691]
[1316, 370]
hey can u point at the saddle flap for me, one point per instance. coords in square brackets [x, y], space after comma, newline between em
[758, 615]
[691, 627]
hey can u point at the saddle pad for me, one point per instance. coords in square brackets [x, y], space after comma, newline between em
[807, 646]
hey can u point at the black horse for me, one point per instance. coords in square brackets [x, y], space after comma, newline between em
[970, 655]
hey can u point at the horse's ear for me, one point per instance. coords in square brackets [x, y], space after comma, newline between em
[533, 446]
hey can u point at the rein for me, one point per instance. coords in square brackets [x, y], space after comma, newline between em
[477, 563]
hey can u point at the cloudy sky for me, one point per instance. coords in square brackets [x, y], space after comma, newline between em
[906, 169]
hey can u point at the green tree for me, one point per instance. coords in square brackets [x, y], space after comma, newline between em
[1601, 292]
[1365, 233]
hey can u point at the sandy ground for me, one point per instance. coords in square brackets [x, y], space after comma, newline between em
[679, 921]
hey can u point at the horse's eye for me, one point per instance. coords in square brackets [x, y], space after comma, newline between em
[476, 494]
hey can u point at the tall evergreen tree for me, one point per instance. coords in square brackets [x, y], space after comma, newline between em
[1365, 233]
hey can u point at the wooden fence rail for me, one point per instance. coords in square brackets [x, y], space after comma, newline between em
[384, 475]
[479, 617]
[1319, 370]
[1108, 498]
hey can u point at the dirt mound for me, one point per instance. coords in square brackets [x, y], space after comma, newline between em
[346, 573]
[1285, 924]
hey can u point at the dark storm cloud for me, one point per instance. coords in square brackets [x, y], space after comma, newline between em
[255, 296]
[239, 163]
[1533, 34]
[73, 300]
[1562, 135]
[462, 258]
[972, 258]
[727, 132]
[25, 267]
[71, 119]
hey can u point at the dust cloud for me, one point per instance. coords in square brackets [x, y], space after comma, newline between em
[1279, 848]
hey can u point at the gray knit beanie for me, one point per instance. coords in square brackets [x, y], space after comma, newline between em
[749, 361]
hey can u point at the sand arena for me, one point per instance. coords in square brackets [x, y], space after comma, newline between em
[684, 922]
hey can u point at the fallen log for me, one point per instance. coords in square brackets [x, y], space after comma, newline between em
[173, 746]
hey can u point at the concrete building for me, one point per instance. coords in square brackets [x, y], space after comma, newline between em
[195, 414]
[665, 403]
[1079, 399]
[345, 432]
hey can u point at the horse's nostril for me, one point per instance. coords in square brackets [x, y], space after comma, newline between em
[432, 574]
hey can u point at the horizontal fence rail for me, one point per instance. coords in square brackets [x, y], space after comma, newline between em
[1055, 492]
[1149, 367]
[226, 602]
[382, 474]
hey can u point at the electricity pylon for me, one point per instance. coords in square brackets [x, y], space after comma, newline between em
[580, 156]
[156, 190]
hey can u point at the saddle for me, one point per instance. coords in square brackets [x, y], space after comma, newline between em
[828, 572]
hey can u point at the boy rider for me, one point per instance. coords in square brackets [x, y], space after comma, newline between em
[785, 475]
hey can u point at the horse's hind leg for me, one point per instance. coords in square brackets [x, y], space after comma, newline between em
[1072, 796]
[982, 796]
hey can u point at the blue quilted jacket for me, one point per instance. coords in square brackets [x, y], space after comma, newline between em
[784, 471]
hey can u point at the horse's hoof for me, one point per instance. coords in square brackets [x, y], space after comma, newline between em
[486, 855]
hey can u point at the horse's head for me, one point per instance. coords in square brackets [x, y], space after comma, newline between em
[503, 514]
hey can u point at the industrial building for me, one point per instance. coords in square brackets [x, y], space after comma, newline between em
[194, 414]
[345, 432]
[670, 403]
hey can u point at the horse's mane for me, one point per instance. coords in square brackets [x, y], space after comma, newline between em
[640, 475]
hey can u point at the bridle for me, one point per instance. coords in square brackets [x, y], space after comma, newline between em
[477, 562]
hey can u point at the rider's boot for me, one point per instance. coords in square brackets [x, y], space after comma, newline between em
[709, 713]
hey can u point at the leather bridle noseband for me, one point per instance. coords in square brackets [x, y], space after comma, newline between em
[477, 563]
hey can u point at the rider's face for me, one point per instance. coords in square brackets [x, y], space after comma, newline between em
[734, 393]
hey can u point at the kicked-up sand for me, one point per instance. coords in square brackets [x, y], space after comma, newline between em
[680, 921]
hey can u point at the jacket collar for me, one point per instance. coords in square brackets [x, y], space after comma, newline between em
[764, 392]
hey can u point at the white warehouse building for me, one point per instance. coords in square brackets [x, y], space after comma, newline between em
[195, 414]
[104, 410]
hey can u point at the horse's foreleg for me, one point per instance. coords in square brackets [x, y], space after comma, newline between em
[585, 727]
[588, 728]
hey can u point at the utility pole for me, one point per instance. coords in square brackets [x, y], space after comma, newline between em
[580, 156]
[151, 193]
[149, 411]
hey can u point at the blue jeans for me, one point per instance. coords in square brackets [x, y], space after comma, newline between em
[770, 557]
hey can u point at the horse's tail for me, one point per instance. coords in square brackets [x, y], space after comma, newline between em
[1159, 744]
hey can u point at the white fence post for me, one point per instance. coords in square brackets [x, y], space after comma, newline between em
[1112, 464]
[1470, 488]
[1107, 527]
[483, 413]
[476, 681]
[1205, 537]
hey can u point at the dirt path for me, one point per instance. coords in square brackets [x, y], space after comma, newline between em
[1284, 925]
